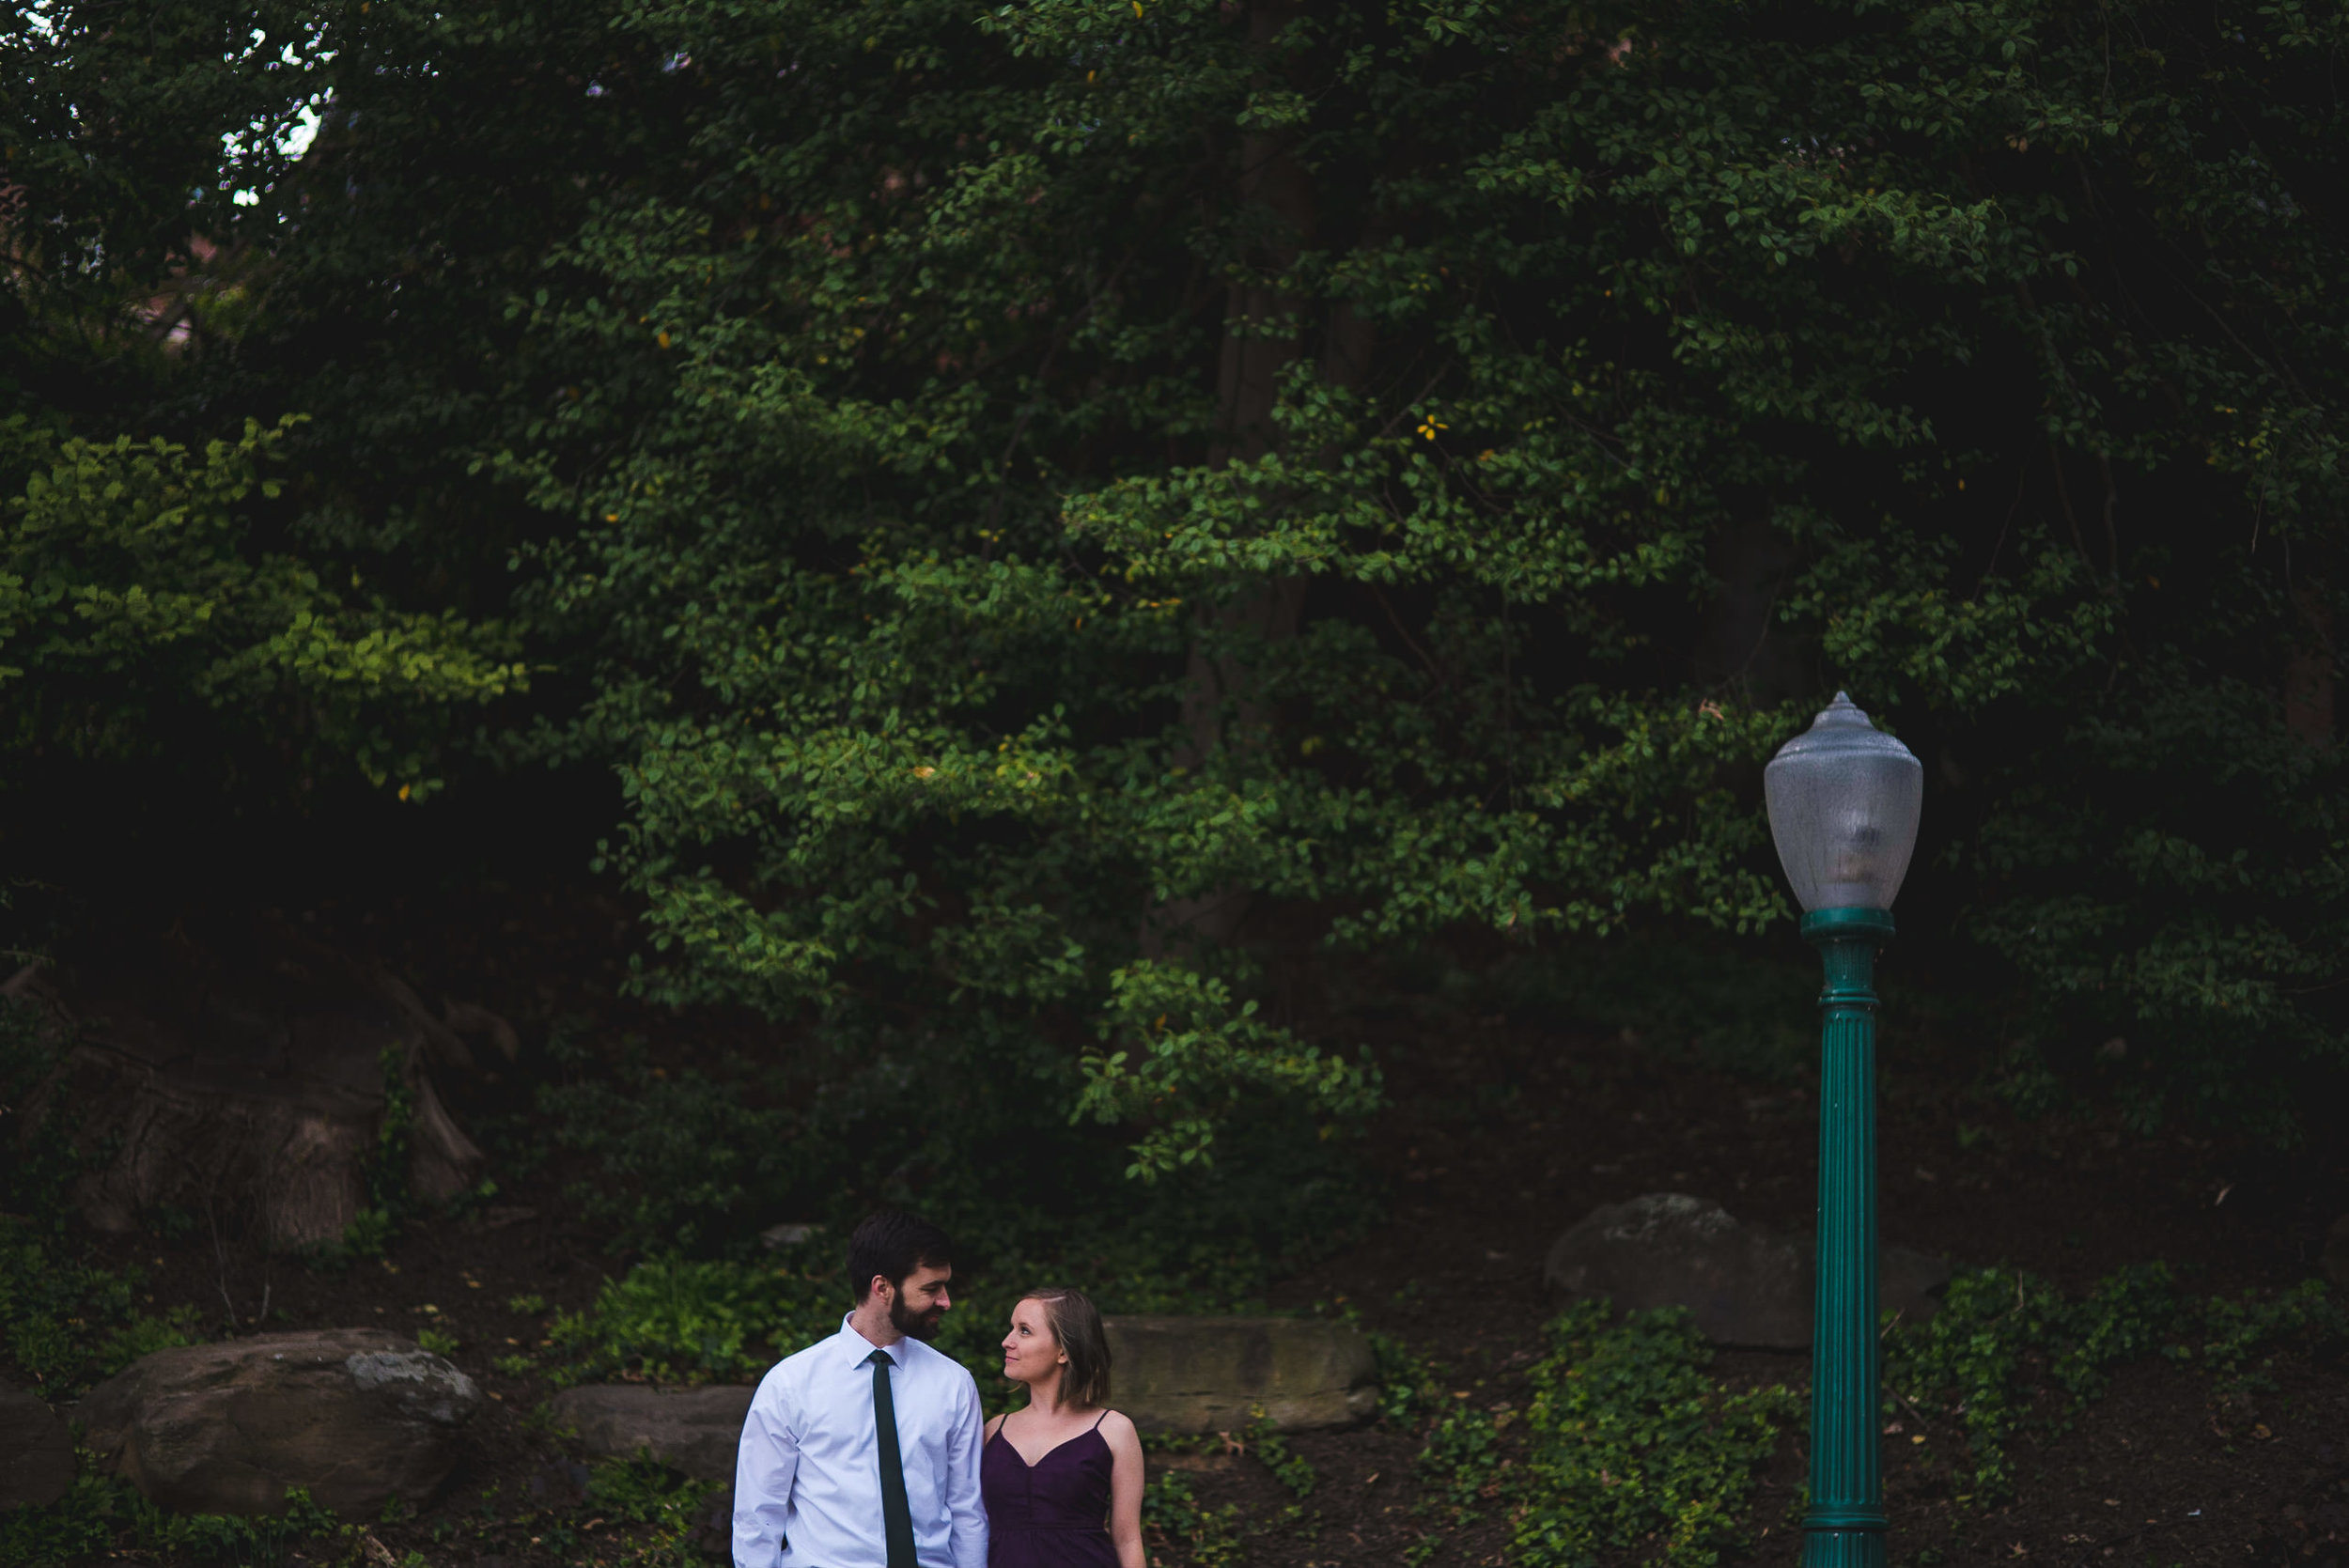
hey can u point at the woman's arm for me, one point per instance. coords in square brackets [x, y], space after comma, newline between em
[1125, 1488]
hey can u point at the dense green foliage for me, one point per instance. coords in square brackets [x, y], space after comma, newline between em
[682, 1321]
[675, 1321]
[141, 620]
[2008, 1350]
[1630, 1445]
[1629, 1437]
[940, 603]
[1041, 507]
[104, 1516]
[702, 1160]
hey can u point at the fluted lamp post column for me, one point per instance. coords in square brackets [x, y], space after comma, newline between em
[1843, 801]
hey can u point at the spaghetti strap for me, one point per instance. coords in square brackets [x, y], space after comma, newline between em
[1052, 1513]
[1099, 1419]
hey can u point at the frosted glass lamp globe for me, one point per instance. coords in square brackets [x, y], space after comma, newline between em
[1844, 799]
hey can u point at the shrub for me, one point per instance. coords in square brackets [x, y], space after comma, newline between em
[1628, 1449]
[104, 1516]
[675, 1321]
[1206, 1537]
[1629, 1440]
[2002, 1334]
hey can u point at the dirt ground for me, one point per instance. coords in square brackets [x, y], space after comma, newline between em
[2149, 1474]
[1502, 1132]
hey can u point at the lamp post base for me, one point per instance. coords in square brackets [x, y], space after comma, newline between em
[1843, 1548]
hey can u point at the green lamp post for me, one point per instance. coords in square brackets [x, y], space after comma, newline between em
[1843, 801]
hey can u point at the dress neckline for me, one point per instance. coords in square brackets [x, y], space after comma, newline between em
[1000, 1436]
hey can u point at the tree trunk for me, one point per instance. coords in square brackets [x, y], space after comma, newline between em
[2308, 671]
[252, 1100]
[1221, 703]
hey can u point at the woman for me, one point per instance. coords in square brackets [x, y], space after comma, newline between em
[1062, 1475]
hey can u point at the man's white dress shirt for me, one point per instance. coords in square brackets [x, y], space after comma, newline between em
[807, 1476]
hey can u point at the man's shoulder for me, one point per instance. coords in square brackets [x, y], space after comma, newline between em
[929, 1355]
[937, 1363]
[794, 1369]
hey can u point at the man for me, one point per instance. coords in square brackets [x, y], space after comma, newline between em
[862, 1450]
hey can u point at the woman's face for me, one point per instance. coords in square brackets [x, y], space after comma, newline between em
[1031, 1354]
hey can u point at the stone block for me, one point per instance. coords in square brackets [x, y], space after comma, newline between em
[693, 1431]
[1194, 1375]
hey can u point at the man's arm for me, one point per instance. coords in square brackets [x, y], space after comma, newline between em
[765, 1465]
[965, 1510]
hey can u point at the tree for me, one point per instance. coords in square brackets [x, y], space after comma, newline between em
[1035, 500]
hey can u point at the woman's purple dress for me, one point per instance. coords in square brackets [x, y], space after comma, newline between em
[1053, 1514]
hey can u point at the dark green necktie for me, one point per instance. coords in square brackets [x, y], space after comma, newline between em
[896, 1514]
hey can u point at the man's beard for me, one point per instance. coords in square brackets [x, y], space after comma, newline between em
[913, 1325]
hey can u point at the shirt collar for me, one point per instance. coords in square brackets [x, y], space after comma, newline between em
[858, 1350]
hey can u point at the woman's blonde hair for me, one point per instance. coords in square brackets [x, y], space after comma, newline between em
[1077, 1325]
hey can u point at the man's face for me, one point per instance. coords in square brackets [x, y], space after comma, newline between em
[920, 1301]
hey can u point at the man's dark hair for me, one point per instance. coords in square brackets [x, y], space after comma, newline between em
[893, 1244]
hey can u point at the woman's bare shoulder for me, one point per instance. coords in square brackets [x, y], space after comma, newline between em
[1119, 1427]
[995, 1424]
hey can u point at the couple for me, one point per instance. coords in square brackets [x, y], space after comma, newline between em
[866, 1450]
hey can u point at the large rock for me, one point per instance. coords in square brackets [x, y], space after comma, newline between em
[691, 1429]
[36, 1451]
[356, 1416]
[1190, 1374]
[1743, 1283]
[1908, 1281]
